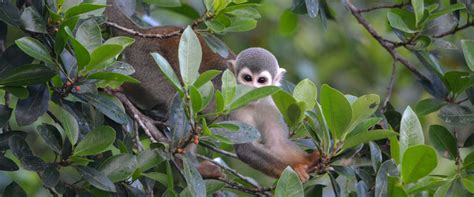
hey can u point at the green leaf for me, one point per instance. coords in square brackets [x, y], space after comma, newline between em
[196, 99]
[458, 81]
[50, 176]
[469, 162]
[51, 137]
[7, 164]
[219, 5]
[96, 178]
[411, 133]
[215, 44]
[34, 48]
[96, 141]
[9, 14]
[443, 141]
[426, 183]
[395, 149]
[164, 3]
[167, 71]
[82, 8]
[32, 21]
[388, 168]
[289, 184]
[307, 92]
[336, 109]
[62, 35]
[418, 161]
[110, 76]
[220, 103]
[246, 133]
[120, 40]
[418, 8]
[363, 108]
[196, 184]
[395, 188]
[189, 56]
[82, 55]
[30, 74]
[367, 136]
[13, 189]
[89, 34]
[67, 120]
[101, 55]
[375, 155]
[228, 86]
[447, 10]
[105, 105]
[206, 77]
[238, 24]
[428, 106]
[18, 91]
[288, 23]
[148, 159]
[468, 51]
[243, 11]
[157, 176]
[468, 183]
[253, 95]
[402, 20]
[288, 107]
[207, 93]
[119, 167]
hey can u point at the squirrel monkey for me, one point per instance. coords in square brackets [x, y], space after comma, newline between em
[271, 154]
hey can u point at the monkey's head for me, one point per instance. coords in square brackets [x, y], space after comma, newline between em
[257, 67]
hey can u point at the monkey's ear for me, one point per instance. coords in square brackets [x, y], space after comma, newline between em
[279, 76]
[231, 65]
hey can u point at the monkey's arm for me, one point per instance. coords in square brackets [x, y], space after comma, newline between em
[258, 157]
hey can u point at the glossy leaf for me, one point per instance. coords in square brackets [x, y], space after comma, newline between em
[196, 184]
[96, 141]
[215, 44]
[32, 21]
[110, 76]
[28, 110]
[228, 86]
[148, 159]
[289, 184]
[206, 77]
[89, 34]
[458, 81]
[336, 109]
[51, 136]
[105, 105]
[22, 151]
[426, 183]
[67, 120]
[411, 133]
[167, 71]
[418, 161]
[402, 20]
[428, 106]
[288, 107]
[34, 48]
[62, 36]
[307, 92]
[196, 99]
[82, 8]
[189, 56]
[253, 95]
[418, 8]
[245, 134]
[443, 141]
[9, 14]
[101, 55]
[119, 167]
[468, 51]
[312, 7]
[367, 136]
[96, 178]
[241, 24]
[82, 55]
[395, 188]
[363, 108]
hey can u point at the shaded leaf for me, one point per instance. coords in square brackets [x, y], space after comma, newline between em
[428, 106]
[88, 34]
[32, 21]
[289, 184]
[96, 178]
[388, 168]
[443, 141]
[30, 74]
[196, 184]
[147, 159]
[6, 164]
[468, 51]
[110, 76]
[245, 134]
[67, 120]
[216, 45]
[96, 141]
[105, 105]
[28, 110]
[9, 14]
[50, 176]
[167, 71]
[5, 113]
[34, 48]
[119, 167]
[51, 137]
[18, 91]
[13, 189]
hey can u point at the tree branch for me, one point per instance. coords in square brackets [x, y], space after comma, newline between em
[390, 86]
[215, 149]
[398, 5]
[387, 45]
[146, 123]
[234, 185]
[453, 31]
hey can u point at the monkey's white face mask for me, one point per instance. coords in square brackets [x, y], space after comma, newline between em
[264, 78]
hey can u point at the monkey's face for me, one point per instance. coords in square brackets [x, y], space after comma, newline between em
[253, 79]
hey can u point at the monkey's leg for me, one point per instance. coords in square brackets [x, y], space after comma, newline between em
[256, 155]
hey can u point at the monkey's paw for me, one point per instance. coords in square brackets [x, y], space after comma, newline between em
[300, 169]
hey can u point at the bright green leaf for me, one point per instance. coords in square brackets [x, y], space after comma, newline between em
[336, 109]
[167, 71]
[82, 8]
[102, 54]
[96, 141]
[307, 92]
[189, 56]
[418, 161]
[367, 136]
[110, 76]
[411, 132]
[468, 51]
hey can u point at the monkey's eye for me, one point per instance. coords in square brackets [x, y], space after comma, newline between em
[262, 80]
[247, 78]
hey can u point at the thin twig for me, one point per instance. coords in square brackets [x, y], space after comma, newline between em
[234, 185]
[146, 123]
[232, 171]
[387, 45]
[215, 149]
[453, 31]
[390, 85]
[194, 24]
[398, 5]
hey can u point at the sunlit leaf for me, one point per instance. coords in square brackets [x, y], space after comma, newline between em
[411, 132]
[418, 161]
[189, 56]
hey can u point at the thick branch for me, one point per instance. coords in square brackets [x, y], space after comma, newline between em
[146, 123]
[390, 47]
[453, 31]
[232, 171]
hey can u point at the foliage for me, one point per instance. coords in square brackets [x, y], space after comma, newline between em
[60, 119]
